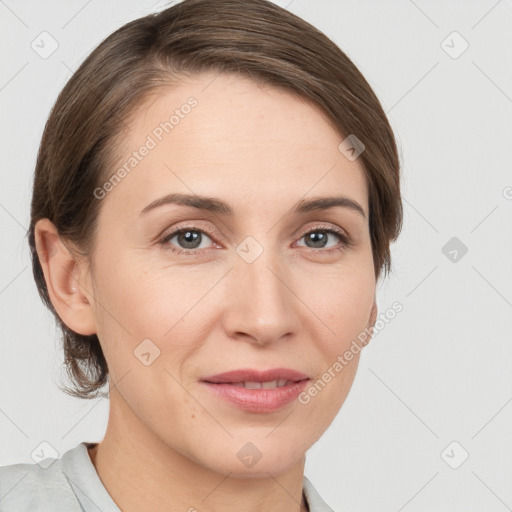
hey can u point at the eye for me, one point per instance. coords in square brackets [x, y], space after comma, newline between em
[189, 238]
[318, 238]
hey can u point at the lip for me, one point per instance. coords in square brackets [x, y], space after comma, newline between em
[257, 400]
[248, 374]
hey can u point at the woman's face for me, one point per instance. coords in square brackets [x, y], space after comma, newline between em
[259, 284]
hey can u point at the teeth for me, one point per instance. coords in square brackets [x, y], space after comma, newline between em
[263, 385]
[253, 385]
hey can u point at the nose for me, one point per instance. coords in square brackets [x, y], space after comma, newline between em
[261, 304]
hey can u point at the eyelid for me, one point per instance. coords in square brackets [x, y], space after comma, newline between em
[327, 227]
[346, 239]
[190, 225]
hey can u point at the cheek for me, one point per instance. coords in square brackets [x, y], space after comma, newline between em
[140, 302]
[135, 295]
[341, 302]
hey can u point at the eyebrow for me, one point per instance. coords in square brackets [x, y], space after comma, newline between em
[215, 205]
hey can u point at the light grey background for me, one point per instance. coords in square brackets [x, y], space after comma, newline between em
[441, 370]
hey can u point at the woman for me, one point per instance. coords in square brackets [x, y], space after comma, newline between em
[215, 194]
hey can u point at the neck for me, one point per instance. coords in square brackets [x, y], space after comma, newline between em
[142, 472]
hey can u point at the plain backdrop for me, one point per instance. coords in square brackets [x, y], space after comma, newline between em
[427, 423]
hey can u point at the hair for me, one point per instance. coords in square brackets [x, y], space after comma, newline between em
[256, 39]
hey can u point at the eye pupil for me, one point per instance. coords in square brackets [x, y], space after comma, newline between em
[317, 236]
[190, 237]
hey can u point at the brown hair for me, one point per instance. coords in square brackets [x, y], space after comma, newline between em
[257, 39]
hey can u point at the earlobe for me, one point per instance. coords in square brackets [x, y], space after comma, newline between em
[69, 292]
[371, 321]
[373, 314]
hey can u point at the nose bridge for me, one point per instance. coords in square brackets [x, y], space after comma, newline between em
[261, 304]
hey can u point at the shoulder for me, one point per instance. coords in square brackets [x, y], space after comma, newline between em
[315, 501]
[35, 488]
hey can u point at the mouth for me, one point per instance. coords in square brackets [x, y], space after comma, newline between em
[258, 391]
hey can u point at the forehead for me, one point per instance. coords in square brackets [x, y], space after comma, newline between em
[227, 136]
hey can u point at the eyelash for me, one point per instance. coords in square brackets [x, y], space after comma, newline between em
[346, 241]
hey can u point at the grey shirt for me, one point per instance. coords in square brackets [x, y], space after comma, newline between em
[71, 484]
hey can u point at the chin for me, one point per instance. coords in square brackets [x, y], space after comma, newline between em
[258, 458]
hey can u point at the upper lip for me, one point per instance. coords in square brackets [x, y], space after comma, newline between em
[247, 374]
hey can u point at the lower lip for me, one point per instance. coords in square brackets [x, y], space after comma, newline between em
[258, 400]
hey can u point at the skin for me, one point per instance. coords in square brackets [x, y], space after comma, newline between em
[260, 149]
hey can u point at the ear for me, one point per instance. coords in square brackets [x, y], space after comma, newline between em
[373, 313]
[371, 320]
[66, 278]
